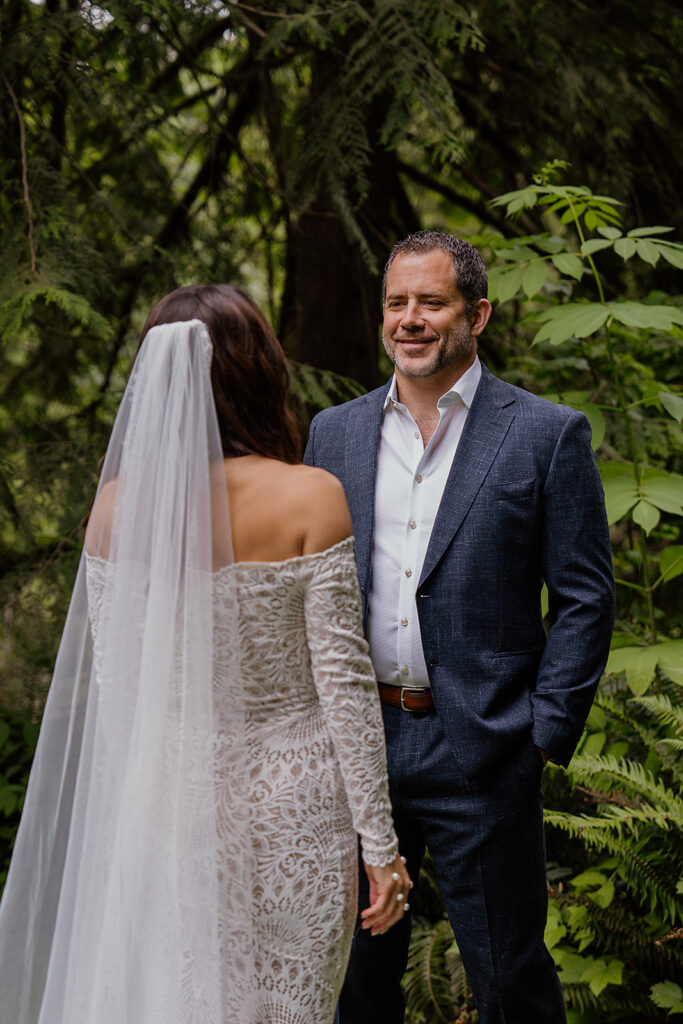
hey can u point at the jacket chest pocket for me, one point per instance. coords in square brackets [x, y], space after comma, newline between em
[514, 490]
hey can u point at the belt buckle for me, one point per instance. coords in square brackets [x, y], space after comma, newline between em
[403, 707]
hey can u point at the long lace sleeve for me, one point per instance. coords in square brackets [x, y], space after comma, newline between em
[345, 683]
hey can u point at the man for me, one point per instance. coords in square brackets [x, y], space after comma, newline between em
[466, 494]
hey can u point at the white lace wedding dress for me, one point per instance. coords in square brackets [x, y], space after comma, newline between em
[316, 772]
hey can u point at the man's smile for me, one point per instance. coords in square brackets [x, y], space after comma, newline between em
[415, 341]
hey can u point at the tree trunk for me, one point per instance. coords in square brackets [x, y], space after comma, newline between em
[331, 307]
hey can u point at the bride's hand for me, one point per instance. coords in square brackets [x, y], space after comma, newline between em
[389, 893]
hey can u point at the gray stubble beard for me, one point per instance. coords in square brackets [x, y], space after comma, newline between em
[462, 349]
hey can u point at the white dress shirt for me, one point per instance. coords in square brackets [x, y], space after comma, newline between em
[409, 487]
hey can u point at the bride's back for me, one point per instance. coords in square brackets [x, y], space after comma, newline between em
[279, 511]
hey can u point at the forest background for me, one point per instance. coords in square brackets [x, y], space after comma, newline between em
[284, 146]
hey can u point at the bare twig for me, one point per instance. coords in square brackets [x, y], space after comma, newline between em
[24, 173]
[615, 797]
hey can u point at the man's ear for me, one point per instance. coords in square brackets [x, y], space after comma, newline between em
[480, 316]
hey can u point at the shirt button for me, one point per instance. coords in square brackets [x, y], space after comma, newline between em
[412, 524]
[416, 435]
[409, 572]
[404, 621]
[404, 670]
[418, 478]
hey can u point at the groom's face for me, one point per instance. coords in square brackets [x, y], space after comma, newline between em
[426, 329]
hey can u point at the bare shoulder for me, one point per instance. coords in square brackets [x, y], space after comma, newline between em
[319, 483]
[98, 532]
[280, 511]
[323, 509]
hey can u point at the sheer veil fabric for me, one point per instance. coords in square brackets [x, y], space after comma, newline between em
[110, 913]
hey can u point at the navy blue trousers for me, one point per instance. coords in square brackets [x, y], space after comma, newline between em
[486, 841]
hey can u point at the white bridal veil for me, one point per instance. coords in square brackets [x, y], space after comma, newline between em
[128, 896]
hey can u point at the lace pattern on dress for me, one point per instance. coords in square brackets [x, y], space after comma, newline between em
[312, 776]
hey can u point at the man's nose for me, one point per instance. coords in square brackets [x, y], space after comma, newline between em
[412, 315]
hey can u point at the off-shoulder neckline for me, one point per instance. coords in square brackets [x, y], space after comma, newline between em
[314, 555]
[347, 541]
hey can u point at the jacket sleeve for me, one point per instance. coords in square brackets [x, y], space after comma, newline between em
[347, 690]
[309, 456]
[577, 566]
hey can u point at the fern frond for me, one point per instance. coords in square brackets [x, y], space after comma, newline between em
[434, 970]
[644, 880]
[662, 708]
[321, 388]
[675, 744]
[635, 777]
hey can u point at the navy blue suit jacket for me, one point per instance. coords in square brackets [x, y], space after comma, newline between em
[523, 504]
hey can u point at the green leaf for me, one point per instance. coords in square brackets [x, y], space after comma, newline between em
[670, 659]
[578, 917]
[647, 251]
[665, 491]
[554, 932]
[508, 284]
[569, 263]
[668, 996]
[673, 404]
[621, 494]
[594, 245]
[573, 319]
[571, 966]
[517, 200]
[595, 417]
[588, 879]
[533, 278]
[671, 255]
[609, 232]
[604, 895]
[646, 515]
[595, 741]
[551, 243]
[638, 663]
[604, 973]
[597, 719]
[618, 749]
[658, 229]
[517, 253]
[671, 562]
[639, 314]
[571, 214]
[625, 247]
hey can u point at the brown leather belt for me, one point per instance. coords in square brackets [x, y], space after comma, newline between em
[406, 699]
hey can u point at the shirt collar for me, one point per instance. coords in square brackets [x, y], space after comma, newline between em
[465, 387]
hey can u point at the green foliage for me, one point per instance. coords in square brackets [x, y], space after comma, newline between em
[668, 995]
[624, 802]
[18, 737]
[435, 982]
[319, 389]
[383, 56]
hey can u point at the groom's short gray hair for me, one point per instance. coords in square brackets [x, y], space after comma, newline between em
[470, 272]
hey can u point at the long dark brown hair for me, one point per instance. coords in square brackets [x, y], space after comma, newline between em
[248, 371]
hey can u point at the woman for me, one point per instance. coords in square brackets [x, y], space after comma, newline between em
[212, 740]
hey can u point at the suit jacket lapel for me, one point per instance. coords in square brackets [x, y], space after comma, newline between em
[488, 421]
[362, 441]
